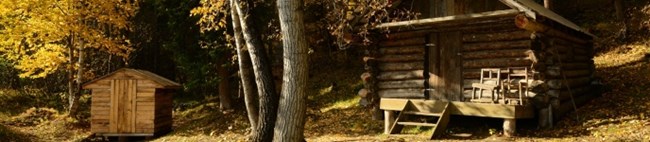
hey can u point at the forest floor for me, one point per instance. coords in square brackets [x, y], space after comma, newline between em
[620, 114]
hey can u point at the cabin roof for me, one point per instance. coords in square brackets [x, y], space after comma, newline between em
[533, 10]
[528, 7]
[158, 80]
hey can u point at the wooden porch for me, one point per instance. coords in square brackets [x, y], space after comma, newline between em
[463, 108]
[509, 113]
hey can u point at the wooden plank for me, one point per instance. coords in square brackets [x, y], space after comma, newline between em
[468, 108]
[511, 53]
[96, 92]
[146, 115]
[415, 83]
[418, 49]
[122, 112]
[401, 58]
[101, 98]
[145, 125]
[403, 42]
[142, 98]
[106, 108]
[405, 34]
[145, 94]
[100, 112]
[144, 90]
[456, 18]
[496, 63]
[132, 96]
[144, 108]
[146, 104]
[501, 36]
[401, 93]
[100, 116]
[113, 114]
[401, 75]
[401, 66]
[100, 84]
[148, 84]
[497, 45]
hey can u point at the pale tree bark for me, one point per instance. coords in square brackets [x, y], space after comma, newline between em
[74, 104]
[245, 70]
[71, 72]
[291, 115]
[268, 98]
[548, 4]
[224, 83]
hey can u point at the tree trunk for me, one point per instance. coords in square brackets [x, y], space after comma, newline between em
[620, 9]
[224, 83]
[263, 77]
[74, 105]
[245, 70]
[71, 73]
[548, 4]
[291, 114]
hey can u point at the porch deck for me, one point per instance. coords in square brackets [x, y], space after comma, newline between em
[464, 108]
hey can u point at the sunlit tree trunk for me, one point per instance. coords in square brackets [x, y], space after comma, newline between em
[291, 114]
[74, 104]
[261, 67]
[71, 73]
[245, 70]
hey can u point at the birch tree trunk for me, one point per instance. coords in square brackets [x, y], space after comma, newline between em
[267, 95]
[548, 4]
[71, 73]
[245, 70]
[74, 104]
[291, 114]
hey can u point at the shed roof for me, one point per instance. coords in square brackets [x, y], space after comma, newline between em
[139, 74]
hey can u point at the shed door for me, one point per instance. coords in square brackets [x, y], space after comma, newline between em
[122, 115]
[444, 66]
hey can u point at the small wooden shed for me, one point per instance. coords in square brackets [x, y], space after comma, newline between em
[131, 102]
[438, 65]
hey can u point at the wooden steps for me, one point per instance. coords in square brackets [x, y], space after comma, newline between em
[440, 117]
[416, 124]
[422, 113]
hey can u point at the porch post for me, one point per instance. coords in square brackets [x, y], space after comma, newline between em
[389, 119]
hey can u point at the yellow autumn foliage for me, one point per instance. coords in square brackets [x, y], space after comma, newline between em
[213, 14]
[36, 35]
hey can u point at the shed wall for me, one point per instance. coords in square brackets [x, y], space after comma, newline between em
[99, 110]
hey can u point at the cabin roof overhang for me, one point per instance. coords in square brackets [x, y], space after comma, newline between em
[159, 81]
[526, 7]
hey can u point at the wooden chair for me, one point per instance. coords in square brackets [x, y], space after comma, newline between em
[490, 81]
[519, 78]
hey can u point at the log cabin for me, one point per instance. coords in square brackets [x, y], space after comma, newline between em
[131, 102]
[507, 59]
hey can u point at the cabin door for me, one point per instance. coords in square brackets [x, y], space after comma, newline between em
[444, 66]
[122, 115]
